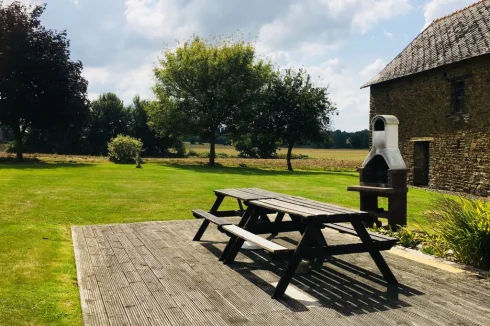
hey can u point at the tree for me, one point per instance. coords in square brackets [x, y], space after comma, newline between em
[153, 144]
[40, 87]
[296, 110]
[108, 118]
[202, 86]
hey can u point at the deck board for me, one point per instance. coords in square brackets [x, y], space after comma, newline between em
[154, 274]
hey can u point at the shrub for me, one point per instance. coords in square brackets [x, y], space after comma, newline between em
[293, 156]
[123, 149]
[206, 155]
[464, 227]
[222, 155]
[192, 153]
[203, 155]
[407, 238]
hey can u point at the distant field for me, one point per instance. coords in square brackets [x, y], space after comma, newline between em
[3, 147]
[340, 154]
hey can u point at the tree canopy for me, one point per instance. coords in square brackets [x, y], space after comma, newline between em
[295, 110]
[40, 87]
[108, 118]
[202, 85]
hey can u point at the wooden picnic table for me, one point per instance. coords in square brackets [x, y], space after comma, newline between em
[308, 217]
[242, 195]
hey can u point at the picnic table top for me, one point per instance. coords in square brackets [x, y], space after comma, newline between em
[247, 194]
[294, 205]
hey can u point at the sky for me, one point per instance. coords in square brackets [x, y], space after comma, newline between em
[341, 43]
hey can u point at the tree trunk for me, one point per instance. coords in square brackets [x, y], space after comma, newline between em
[212, 150]
[19, 142]
[288, 157]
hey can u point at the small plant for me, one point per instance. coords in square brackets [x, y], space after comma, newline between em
[124, 149]
[463, 226]
[222, 155]
[435, 244]
[192, 153]
[407, 238]
[217, 155]
[203, 155]
[293, 156]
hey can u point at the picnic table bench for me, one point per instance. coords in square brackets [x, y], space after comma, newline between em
[308, 217]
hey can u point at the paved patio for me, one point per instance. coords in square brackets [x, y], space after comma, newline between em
[153, 274]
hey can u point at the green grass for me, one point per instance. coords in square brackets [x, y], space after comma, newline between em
[40, 202]
[344, 154]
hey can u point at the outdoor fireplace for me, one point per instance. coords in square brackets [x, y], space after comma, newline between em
[384, 174]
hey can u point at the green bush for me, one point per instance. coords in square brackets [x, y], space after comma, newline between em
[206, 155]
[123, 149]
[462, 226]
[203, 155]
[192, 153]
[293, 156]
[407, 238]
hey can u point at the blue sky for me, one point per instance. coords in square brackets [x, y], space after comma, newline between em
[343, 43]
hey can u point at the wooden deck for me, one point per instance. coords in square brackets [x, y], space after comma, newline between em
[153, 274]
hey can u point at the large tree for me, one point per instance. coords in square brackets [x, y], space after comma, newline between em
[108, 118]
[203, 84]
[40, 87]
[295, 110]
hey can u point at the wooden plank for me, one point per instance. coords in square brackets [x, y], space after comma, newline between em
[350, 230]
[273, 207]
[259, 241]
[247, 194]
[90, 297]
[306, 211]
[374, 190]
[236, 193]
[199, 213]
[320, 205]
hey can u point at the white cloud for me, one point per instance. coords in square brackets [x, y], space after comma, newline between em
[371, 12]
[434, 9]
[372, 69]
[388, 34]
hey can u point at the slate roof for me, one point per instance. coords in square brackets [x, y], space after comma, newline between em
[461, 35]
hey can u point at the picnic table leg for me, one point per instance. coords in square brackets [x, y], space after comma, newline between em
[375, 254]
[234, 247]
[205, 223]
[240, 204]
[234, 238]
[293, 263]
[319, 240]
[277, 222]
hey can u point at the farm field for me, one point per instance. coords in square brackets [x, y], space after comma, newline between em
[338, 154]
[41, 201]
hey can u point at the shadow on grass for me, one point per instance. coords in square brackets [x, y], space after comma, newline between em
[251, 170]
[34, 163]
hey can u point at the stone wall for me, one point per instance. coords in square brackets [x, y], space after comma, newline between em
[459, 148]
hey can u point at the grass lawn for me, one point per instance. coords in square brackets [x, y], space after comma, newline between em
[41, 201]
[344, 154]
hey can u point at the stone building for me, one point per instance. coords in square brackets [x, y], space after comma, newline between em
[439, 88]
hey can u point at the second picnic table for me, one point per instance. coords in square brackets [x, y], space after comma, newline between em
[307, 216]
